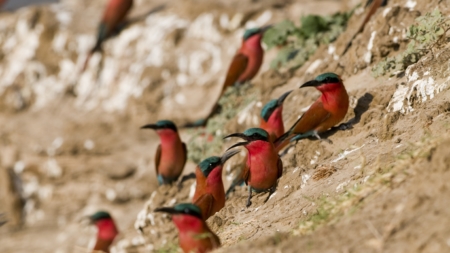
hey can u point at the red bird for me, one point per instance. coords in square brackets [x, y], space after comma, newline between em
[171, 154]
[244, 66]
[112, 19]
[272, 118]
[264, 166]
[209, 192]
[328, 110]
[194, 235]
[106, 230]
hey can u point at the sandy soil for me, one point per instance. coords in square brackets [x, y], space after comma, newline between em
[380, 187]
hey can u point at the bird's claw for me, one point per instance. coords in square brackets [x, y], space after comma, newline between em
[345, 126]
[249, 203]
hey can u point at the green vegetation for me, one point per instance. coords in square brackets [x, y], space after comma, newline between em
[209, 141]
[297, 44]
[168, 248]
[427, 33]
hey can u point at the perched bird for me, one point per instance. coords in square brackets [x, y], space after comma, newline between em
[272, 122]
[272, 118]
[106, 230]
[264, 166]
[112, 19]
[171, 154]
[328, 110]
[209, 192]
[194, 235]
[244, 66]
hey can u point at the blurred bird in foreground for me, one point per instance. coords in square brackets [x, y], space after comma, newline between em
[244, 66]
[264, 166]
[194, 235]
[209, 192]
[328, 110]
[106, 230]
[111, 22]
[171, 154]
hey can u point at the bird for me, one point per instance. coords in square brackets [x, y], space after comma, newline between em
[112, 20]
[171, 154]
[194, 235]
[106, 230]
[328, 110]
[272, 122]
[209, 192]
[264, 166]
[272, 118]
[244, 66]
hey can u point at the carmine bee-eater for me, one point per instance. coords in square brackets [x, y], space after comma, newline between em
[328, 110]
[244, 66]
[112, 19]
[272, 118]
[106, 230]
[171, 154]
[194, 235]
[209, 192]
[264, 166]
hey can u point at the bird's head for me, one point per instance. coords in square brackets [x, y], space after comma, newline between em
[325, 82]
[210, 163]
[162, 124]
[250, 136]
[272, 105]
[186, 216]
[105, 224]
[257, 31]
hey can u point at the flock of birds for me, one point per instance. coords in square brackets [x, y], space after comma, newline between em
[263, 165]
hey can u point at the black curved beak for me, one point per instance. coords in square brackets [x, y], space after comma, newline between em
[283, 97]
[312, 83]
[239, 144]
[239, 135]
[265, 28]
[151, 126]
[228, 155]
[169, 210]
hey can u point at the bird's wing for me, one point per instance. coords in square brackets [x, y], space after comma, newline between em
[237, 67]
[246, 171]
[205, 203]
[280, 168]
[157, 159]
[312, 118]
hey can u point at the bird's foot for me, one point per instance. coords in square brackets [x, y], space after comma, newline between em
[249, 196]
[271, 191]
[322, 139]
[249, 203]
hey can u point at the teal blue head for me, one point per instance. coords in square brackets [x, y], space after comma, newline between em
[100, 215]
[250, 135]
[162, 124]
[325, 78]
[254, 31]
[182, 208]
[273, 104]
[207, 165]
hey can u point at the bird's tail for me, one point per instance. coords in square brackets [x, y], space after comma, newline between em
[282, 141]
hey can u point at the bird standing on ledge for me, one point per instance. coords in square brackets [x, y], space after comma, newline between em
[264, 166]
[106, 230]
[209, 192]
[194, 235]
[244, 66]
[171, 154]
[112, 19]
[328, 110]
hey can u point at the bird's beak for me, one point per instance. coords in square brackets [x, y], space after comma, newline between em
[228, 155]
[283, 97]
[239, 135]
[168, 210]
[151, 126]
[239, 144]
[265, 28]
[312, 83]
